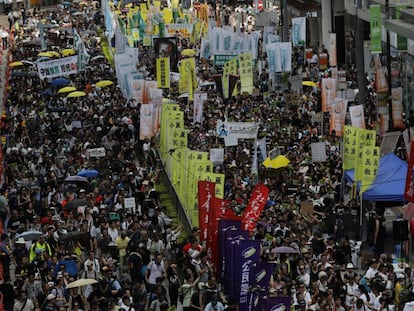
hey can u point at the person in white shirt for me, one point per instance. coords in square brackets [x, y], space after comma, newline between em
[22, 303]
[214, 306]
[352, 292]
[372, 270]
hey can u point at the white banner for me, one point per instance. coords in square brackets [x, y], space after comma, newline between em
[227, 42]
[389, 142]
[199, 99]
[279, 56]
[96, 152]
[186, 30]
[125, 65]
[318, 152]
[247, 130]
[58, 67]
[357, 116]
[217, 156]
[129, 203]
[299, 31]
[83, 56]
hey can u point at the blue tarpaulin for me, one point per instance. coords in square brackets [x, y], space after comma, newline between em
[389, 185]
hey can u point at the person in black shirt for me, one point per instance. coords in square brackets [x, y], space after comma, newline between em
[7, 290]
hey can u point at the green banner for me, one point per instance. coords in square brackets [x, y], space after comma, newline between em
[376, 28]
[401, 40]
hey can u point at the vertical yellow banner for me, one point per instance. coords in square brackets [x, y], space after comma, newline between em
[370, 164]
[350, 147]
[163, 72]
[366, 138]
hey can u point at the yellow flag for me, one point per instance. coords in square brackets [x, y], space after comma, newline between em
[369, 166]
[218, 179]
[175, 4]
[366, 138]
[246, 73]
[163, 72]
[188, 81]
[167, 16]
[350, 146]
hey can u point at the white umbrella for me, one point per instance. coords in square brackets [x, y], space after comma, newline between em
[81, 282]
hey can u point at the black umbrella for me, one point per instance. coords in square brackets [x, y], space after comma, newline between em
[73, 235]
[74, 204]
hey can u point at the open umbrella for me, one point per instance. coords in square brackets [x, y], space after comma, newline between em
[76, 94]
[309, 83]
[188, 52]
[284, 250]
[81, 282]
[26, 62]
[88, 173]
[29, 235]
[67, 89]
[76, 178]
[43, 58]
[16, 64]
[278, 162]
[68, 52]
[60, 81]
[104, 83]
[73, 235]
[45, 54]
[74, 204]
[33, 42]
[53, 53]
[98, 57]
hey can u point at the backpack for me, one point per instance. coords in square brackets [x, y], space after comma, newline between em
[134, 242]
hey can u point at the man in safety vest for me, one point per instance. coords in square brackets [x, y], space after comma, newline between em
[38, 249]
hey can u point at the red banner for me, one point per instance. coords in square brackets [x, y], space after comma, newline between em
[206, 191]
[409, 183]
[255, 206]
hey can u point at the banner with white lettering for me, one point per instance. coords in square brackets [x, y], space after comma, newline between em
[254, 207]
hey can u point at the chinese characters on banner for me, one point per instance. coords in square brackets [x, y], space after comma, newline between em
[369, 167]
[163, 72]
[58, 67]
[255, 206]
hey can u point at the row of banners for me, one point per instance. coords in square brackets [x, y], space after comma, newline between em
[237, 257]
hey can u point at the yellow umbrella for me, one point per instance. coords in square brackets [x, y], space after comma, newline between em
[68, 52]
[104, 83]
[67, 89]
[188, 52]
[45, 54]
[76, 94]
[16, 64]
[309, 83]
[53, 53]
[278, 162]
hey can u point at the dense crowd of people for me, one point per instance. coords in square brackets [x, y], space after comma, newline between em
[60, 228]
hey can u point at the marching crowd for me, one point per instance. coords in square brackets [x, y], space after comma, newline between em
[73, 244]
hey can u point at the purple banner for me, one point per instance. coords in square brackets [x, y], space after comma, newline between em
[229, 256]
[277, 303]
[260, 273]
[247, 253]
[224, 226]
